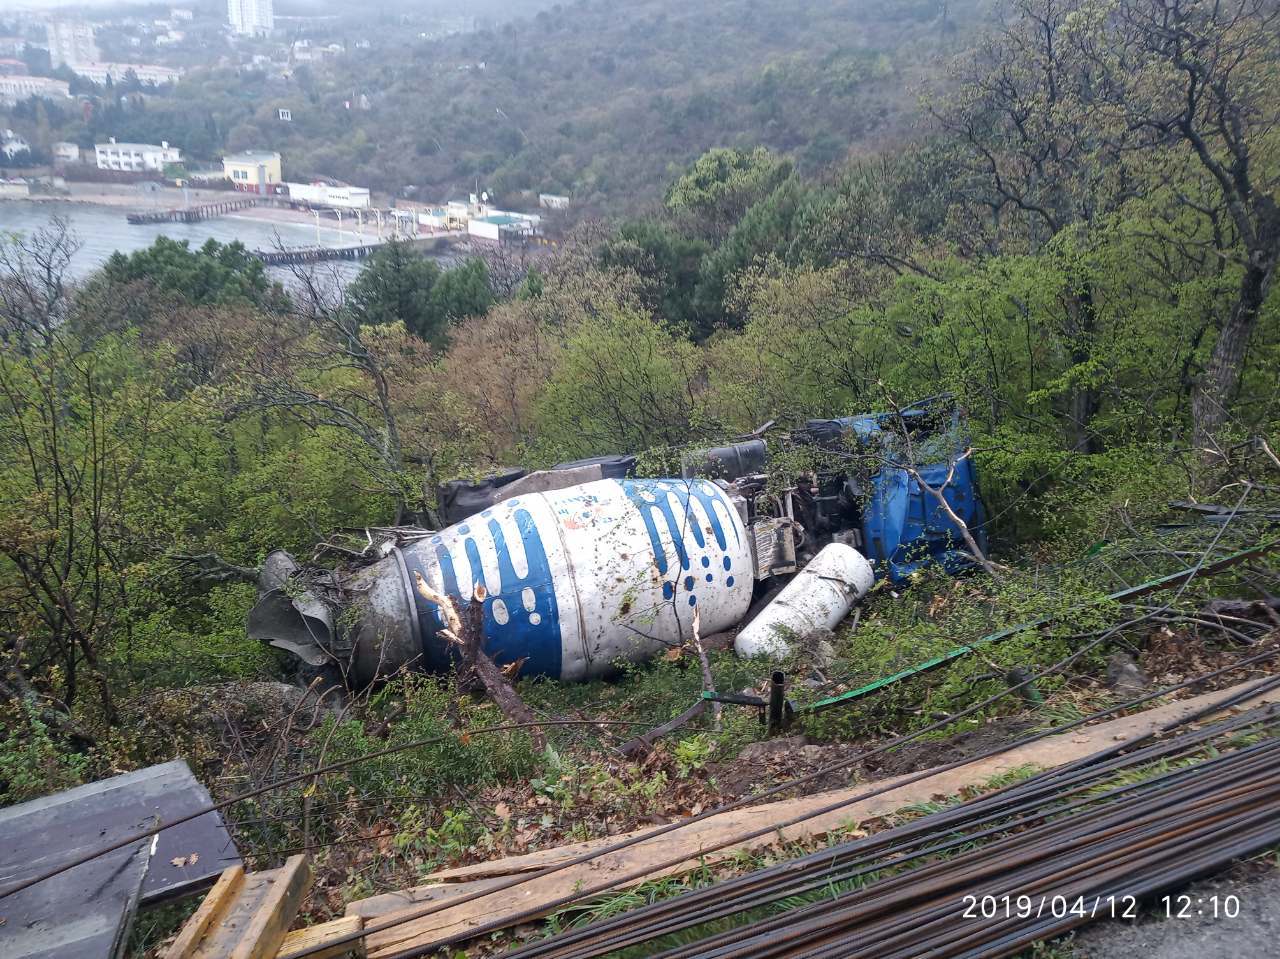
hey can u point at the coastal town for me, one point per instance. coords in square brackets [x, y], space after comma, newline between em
[59, 62]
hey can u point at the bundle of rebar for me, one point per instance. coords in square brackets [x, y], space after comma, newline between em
[988, 877]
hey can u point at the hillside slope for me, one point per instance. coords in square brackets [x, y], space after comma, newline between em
[605, 100]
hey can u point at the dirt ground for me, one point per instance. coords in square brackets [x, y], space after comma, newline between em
[1253, 934]
[767, 763]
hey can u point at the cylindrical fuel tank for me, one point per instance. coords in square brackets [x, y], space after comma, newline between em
[819, 597]
[574, 580]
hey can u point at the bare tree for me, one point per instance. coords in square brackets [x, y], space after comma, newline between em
[33, 289]
[69, 444]
[1199, 85]
[324, 368]
[1037, 162]
[507, 266]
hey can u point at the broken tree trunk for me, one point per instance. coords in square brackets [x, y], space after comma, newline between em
[469, 638]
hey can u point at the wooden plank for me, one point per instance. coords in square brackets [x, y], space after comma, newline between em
[222, 937]
[217, 904]
[402, 898]
[1046, 753]
[315, 937]
[276, 912]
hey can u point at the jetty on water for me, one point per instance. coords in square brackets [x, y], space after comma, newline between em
[315, 254]
[192, 214]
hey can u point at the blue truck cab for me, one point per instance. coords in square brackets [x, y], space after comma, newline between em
[893, 456]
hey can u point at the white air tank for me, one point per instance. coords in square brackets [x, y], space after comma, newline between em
[819, 597]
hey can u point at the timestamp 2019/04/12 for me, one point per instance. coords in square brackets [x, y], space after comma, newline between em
[1186, 906]
[1183, 906]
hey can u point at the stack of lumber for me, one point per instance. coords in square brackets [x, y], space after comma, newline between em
[248, 915]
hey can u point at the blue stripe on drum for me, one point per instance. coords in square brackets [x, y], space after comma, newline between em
[521, 617]
[527, 623]
[653, 499]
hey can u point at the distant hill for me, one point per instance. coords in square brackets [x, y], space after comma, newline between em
[605, 99]
[602, 99]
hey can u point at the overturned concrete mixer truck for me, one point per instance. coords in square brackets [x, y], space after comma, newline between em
[585, 566]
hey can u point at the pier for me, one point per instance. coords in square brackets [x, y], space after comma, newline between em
[194, 214]
[315, 254]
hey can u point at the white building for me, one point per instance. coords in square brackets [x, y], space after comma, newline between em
[181, 13]
[502, 227]
[71, 42]
[135, 157]
[149, 73]
[251, 17]
[13, 89]
[553, 201]
[322, 194]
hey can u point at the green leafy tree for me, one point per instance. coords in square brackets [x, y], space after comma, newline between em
[396, 286]
[217, 274]
[1196, 80]
[722, 185]
[461, 292]
[668, 262]
[768, 227]
[623, 382]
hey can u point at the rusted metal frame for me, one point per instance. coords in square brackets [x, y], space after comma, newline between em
[1206, 862]
[1038, 862]
[843, 873]
[1057, 874]
[1045, 873]
[703, 944]
[1127, 863]
[1187, 864]
[1050, 784]
[1159, 825]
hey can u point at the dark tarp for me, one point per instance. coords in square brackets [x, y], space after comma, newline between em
[461, 498]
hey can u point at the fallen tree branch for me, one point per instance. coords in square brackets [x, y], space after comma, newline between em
[469, 638]
[708, 681]
[642, 744]
[212, 568]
